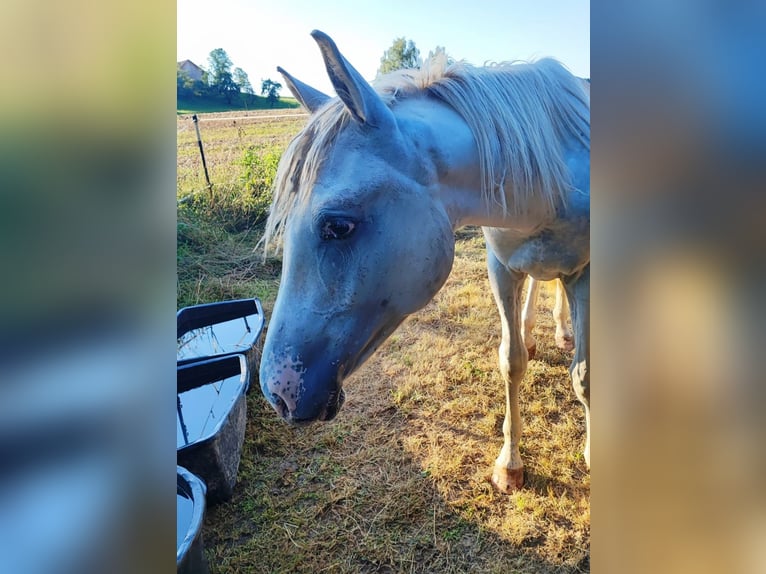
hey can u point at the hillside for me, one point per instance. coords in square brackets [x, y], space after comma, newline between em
[206, 104]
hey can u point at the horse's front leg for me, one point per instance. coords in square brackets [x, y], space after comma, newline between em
[578, 293]
[507, 286]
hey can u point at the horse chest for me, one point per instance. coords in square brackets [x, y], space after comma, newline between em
[550, 253]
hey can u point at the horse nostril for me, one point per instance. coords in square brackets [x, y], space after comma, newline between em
[280, 406]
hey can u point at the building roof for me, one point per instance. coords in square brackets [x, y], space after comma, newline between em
[189, 64]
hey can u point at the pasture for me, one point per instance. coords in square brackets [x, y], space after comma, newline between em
[399, 481]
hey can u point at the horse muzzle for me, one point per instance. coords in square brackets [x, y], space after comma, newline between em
[299, 395]
[303, 417]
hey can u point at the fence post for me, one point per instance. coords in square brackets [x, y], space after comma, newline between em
[202, 154]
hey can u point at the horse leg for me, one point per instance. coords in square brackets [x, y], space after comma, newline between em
[507, 287]
[529, 317]
[564, 336]
[578, 293]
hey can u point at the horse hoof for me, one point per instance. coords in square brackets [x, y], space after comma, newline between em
[531, 351]
[508, 480]
[565, 343]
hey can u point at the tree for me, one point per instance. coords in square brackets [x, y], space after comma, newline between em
[241, 79]
[219, 66]
[401, 54]
[227, 87]
[270, 90]
[220, 74]
[441, 50]
[184, 84]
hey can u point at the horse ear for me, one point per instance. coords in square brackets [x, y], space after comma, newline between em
[360, 98]
[310, 98]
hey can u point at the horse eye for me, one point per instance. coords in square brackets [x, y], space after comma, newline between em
[337, 228]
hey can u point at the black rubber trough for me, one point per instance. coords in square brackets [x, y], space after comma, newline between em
[190, 510]
[221, 329]
[211, 418]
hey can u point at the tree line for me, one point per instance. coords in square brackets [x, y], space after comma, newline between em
[221, 81]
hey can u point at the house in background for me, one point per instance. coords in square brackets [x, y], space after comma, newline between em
[191, 69]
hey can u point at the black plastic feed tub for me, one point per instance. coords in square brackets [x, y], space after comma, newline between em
[190, 510]
[211, 419]
[220, 329]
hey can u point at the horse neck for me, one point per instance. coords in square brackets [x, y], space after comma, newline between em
[456, 158]
[459, 187]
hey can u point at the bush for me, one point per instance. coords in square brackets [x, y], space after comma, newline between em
[242, 202]
[259, 170]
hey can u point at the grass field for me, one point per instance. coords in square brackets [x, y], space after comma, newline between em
[199, 105]
[399, 481]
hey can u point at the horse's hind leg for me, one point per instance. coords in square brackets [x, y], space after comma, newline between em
[529, 317]
[578, 293]
[507, 286]
[564, 336]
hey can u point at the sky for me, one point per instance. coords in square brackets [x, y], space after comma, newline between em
[258, 36]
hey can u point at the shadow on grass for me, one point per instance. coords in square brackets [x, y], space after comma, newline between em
[348, 497]
[358, 494]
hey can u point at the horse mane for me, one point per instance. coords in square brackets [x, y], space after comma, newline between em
[518, 112]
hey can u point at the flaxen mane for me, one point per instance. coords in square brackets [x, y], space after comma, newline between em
[518, 113]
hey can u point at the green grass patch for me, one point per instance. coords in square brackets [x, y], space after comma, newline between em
[243, 102]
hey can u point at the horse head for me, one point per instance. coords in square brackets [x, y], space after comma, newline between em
[365, 242]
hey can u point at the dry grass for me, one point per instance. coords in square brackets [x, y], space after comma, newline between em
[399, 481]
[225, 136]
[213, 264]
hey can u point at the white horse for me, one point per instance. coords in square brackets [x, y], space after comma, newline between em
[366, 201]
